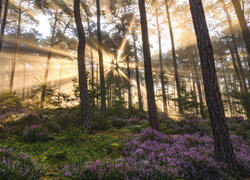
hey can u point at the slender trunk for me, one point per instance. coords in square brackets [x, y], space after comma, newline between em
[193, 82]
[24, 82]
[226, 87]
[237, 71]
[102, 80]
[17, 46]
[243, 23]
[92, 69]
[28, 87]
[247, 67]
[129, 84]
[222, 142]
[109, 85]
[83, 86]
[46, 75]
[137, 74]
[85, 7]
[1, 5]
[164, 98]
[119, 79]
[152, 109]
[197, 79]
[235, 47]
[3, 23]
[128, 72]
[97, 85]
[177, 80]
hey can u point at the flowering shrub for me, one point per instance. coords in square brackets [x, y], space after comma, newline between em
[18, 166]
[35, 133]
[152, 155]
[237, 126]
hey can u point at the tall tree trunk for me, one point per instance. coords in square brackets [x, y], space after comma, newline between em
[137, 74]
[92, 70]
[83, 86]
[24, 82]
[97, 85]
[236, 68]
[235, 47]
[128, 70]
[119, 78]
[3, 23]
[197, 79]
[164, 98]
[226, 87]
[46, 75]
[129, 84]
[17, 46]
[243, 23]
[222, 142]
[102, 80]
[177, 80]
[193, 81]
[1, 6]
[85, 7]
[152, 109]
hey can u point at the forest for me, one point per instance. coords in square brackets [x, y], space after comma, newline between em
[124, 89]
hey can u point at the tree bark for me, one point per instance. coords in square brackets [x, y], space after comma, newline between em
[235, 47]
[197, 79]
[17, 46]
[152, 109]
[193, 81]
[137, 74]
[226, 87]
[1, 6]
[4, 22]
[177, 79]
[222, 142]
[128, 69]
[102, 80]
[164, 98]
[83, 86]
[129, 84]
[236, 68]
[24, 82]
[85, 7]
[243, 23]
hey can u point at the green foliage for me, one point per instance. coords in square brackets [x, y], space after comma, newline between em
[51, 97]
[118, 123]
[101, 123]
[35, 133]
[57, 156]
[61, 98]
[243, 99]
[187, 99]
[118, 109]
[16, 127]
[49, 94]
[10, 100]
[93, 93]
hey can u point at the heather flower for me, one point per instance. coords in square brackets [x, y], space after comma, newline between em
[152, 155]
[18, 166]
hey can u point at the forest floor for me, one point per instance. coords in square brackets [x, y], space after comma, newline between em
[55, 139]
